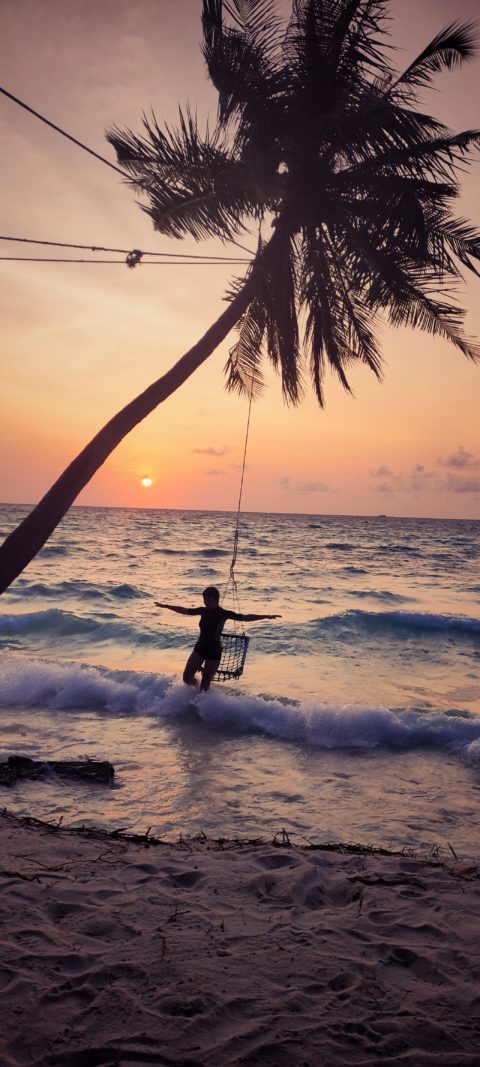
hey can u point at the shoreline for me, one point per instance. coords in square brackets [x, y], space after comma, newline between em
[282, 839]
[199, 953]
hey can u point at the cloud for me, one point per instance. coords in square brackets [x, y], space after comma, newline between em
[419, 480]
[460, 460]
[422, 480]
[214, 472]
[312, 487]
[211, 451]
[303, 486]
[455, 484]
[390, 480]
[384, 472]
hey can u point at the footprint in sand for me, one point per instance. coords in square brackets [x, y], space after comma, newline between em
[187, 879]
[275, 861]
[345, 982]
[420, 966]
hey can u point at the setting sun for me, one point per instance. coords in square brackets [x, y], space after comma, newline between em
[146, 482]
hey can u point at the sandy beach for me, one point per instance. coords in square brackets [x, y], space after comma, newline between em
[210, 953]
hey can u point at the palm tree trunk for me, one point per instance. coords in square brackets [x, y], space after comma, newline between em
[28, 538]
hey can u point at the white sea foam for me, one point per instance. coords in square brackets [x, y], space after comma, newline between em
[344, 726]
[39, 683]
[472, 753]
[31, 683]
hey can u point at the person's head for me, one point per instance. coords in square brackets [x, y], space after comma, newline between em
[211, 597]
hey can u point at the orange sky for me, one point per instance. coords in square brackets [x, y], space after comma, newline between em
[78, 342]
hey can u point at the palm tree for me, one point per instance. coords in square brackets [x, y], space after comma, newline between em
[317, 134]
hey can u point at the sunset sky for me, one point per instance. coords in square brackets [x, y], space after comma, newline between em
[79, 341]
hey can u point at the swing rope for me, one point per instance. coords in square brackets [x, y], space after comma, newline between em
[232, 580]
[235, 645]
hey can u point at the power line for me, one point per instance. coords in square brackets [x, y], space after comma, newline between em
[85, 147]
[127, 251]
[63, 132]
[143, 262]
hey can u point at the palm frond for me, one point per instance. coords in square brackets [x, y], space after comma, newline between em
[241, 59]
[435, 317]
[259, 22]
[325, 333]
[333, 50]
[363, 45]
[454, 45]
[408, 296]
[279, 293]
[193, 183]
[358, 326]
[242, 368]
[375, 129]
[463, 239]
[437, 157]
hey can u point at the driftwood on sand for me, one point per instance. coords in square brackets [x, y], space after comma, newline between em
[90, 770]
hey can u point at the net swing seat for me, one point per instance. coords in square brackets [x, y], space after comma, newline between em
[234, 654]
[234, 642]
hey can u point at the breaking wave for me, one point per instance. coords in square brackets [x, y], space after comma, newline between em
[58, 624]
[81, 590]
[39, 683]
[406, 621]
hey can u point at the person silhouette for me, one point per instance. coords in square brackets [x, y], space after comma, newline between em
[208, 648]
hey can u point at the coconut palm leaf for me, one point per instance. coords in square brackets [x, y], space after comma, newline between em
[462, 238]
[193, 184]
[282, 325]
[242, 369]
[408, 296]
[271, 324]
[259, 23]
[434, 158]
[324, 332]
[361, 337]
[449, 49]
[241, 59]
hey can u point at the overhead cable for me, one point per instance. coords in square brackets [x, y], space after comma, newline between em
[144, 262]
[80, 144]
[63, 132]
[126, 251]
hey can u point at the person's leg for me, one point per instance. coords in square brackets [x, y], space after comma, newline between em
[209, 669]
[192, 666]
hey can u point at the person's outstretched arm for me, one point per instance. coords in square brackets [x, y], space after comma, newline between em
[250, 618]
[178, 608]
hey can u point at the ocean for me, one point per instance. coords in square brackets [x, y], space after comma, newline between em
[357, 718]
